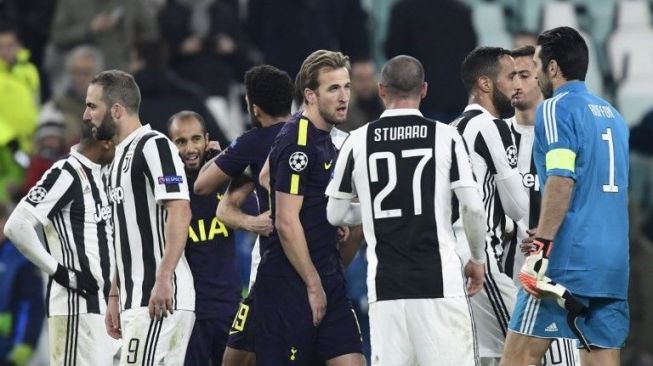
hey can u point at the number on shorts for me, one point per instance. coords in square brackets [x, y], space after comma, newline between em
[241, 318]
[132, 349]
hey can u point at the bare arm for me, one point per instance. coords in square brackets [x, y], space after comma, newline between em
[293, 241]
[264, 176]
[176, 233]
[230, 214]
[348, 248]
[210, 178]
[555, 203]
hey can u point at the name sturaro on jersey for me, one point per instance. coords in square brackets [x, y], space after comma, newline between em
[400, 133]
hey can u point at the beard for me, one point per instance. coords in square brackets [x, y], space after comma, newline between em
[330, 117]
[546, 86]
[106, 131]
[502, 103]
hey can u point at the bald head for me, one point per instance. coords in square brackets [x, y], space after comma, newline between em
[403, 77]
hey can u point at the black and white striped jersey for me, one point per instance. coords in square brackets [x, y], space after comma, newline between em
[524, 137]
[403, 168]
[494, 157]
[145, 172]
[70, 202]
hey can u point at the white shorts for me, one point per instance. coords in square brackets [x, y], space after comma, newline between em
[80, 340]
[491, 309]
[155, 342]
[422, 332]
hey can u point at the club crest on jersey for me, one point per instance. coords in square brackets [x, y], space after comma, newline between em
[36, 194]
[298, 161]
[171, 179]
[511, 154]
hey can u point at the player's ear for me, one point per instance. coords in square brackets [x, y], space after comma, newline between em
[553, 68]
[116, 111]
[310, 96]
[423, 90]
[484, 84]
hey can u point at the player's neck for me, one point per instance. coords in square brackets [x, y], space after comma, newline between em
[525, 117]
[484, 101]
[126, 127]
[90, 149]
[271, 121]
[315, 117]
[401, 103]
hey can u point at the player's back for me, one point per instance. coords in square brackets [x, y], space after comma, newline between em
[591, 252]
[402, 167]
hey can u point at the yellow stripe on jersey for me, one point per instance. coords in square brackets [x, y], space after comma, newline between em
[303, 132]
[561, 159]
[294, 184]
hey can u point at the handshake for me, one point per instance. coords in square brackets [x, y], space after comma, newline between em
[533, 278]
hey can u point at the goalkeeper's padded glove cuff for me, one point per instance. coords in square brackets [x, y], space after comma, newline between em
[542, 245]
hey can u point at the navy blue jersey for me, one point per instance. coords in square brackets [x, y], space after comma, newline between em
[211, 256]
[301, 163]
[250, 150]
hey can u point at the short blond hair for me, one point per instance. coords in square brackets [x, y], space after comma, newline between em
[310, 70]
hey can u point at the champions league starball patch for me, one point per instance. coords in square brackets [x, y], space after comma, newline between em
[36, 194]
[298, 161]
[511, 153]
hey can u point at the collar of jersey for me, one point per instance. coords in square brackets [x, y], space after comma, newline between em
[83, 159]
[401, 112]
[131, 136]
[573, 86]
[477, 106]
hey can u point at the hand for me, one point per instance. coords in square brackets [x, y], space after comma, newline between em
[261, 224]
[475, 273]
[112, 317]
[80, 282]
[102, 22]
[161, 298]
[317, 300]
[342, 233]
[191, 45]
[535, 265]
[526, 245]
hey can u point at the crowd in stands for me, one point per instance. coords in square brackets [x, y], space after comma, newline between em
[191, 54]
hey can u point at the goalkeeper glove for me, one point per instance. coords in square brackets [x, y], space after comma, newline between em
[78, 281]
[535, 266]
[569, 302]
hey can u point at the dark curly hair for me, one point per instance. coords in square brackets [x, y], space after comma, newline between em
[270, 89]
[482, 61]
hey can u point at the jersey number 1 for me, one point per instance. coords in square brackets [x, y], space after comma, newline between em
[424, 155]
[610, 187]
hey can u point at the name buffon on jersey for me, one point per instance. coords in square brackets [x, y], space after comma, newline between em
[601, 111]
[400, 133]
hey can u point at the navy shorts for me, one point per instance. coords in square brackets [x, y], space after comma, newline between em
[241, 334]
[209, 339]
[285, 333]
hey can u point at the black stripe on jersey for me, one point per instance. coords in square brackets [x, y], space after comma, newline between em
[48, 182]
[464, 118]
[511, 248]
[126, 255]
[103, 244]
[139, 171]
[504, 132]
[77, 218]
[167, 165]
[49, 286]
[345, 183]
[480, 147]
[535, 200]
[517, 137]
[454, 174]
